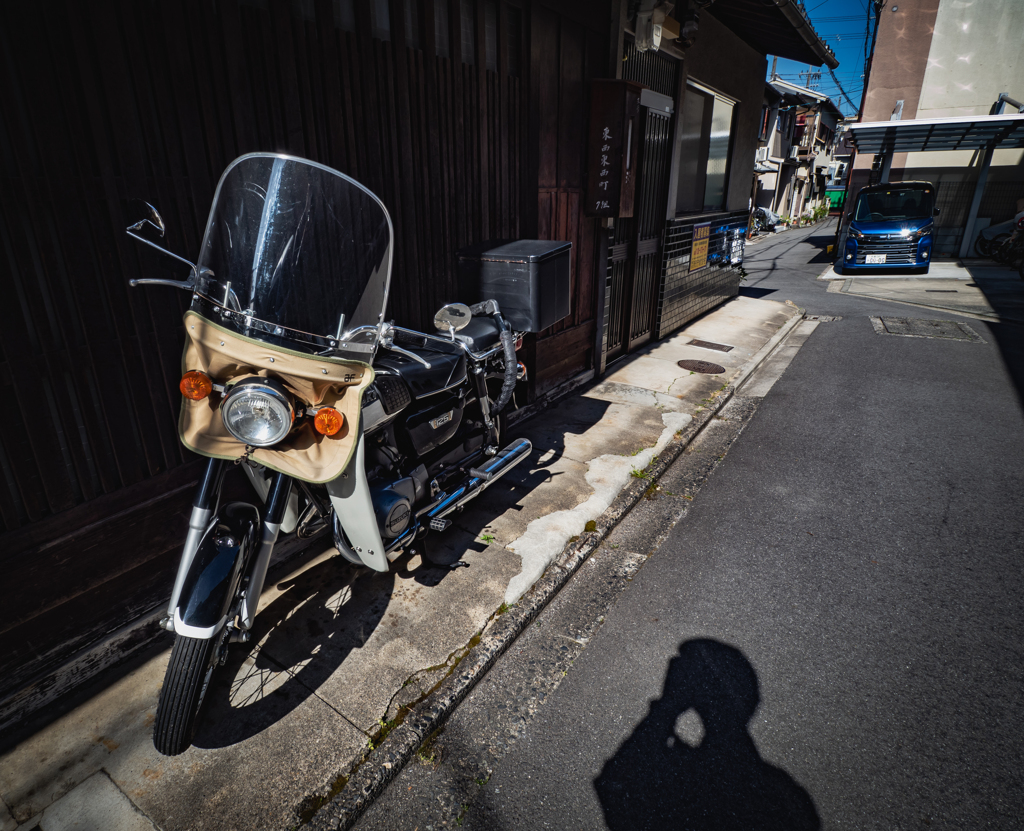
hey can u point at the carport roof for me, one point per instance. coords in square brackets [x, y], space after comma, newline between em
[923, 134]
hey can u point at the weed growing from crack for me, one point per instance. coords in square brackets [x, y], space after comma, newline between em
[637, 474]
[307, 810]
[487, 538]
[431, 753]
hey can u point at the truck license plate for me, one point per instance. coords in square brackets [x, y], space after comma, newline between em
[875, 259]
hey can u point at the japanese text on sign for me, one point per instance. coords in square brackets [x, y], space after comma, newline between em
[606, 136]
[699, 252]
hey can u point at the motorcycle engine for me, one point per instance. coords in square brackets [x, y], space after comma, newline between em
[393, 502]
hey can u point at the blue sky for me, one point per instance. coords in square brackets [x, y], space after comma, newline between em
[842, 25]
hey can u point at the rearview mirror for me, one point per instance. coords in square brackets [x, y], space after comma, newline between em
[150, 217]
[453, 317]
[147, 215]
[935, 212]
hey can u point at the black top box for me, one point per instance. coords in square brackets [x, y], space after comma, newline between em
[528, 277]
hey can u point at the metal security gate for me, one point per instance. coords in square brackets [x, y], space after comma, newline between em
[635, 251]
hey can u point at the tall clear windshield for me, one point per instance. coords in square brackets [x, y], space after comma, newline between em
[296, 251]
[895, 204]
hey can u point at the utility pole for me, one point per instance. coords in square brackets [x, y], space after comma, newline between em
[775, 63]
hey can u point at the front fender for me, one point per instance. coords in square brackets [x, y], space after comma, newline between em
[213, 575]
[351, 500]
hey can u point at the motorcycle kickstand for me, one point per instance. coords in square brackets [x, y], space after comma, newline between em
[420, 547]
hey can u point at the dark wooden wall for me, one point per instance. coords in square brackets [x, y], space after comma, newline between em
[568, 50]
[110, 100]
[468, 125]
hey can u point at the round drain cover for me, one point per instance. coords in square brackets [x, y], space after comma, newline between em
[706, 367]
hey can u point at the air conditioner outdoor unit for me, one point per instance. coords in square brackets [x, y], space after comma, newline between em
[762, 154]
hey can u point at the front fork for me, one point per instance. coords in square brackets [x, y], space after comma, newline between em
[204, 517]
[277, 504]
[204, 506]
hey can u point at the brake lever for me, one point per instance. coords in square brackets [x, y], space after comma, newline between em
[407, 353]
[156, 281]
[387, 340]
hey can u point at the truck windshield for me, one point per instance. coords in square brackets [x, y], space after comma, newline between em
[883, 205]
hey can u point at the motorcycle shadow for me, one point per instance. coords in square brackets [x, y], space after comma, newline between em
[549, 479]
[298, 641]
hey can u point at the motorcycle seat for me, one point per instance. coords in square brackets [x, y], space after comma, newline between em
[447, 368]
[480, 334]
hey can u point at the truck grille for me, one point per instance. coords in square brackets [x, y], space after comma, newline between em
[898, 249]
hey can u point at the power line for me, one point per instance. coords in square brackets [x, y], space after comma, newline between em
[843, 91]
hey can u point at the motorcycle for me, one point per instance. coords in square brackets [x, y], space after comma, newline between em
[340, 420]
[764, 220]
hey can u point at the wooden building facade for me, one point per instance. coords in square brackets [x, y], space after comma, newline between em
[466, 117]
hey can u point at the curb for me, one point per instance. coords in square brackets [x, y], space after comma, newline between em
[384, 764]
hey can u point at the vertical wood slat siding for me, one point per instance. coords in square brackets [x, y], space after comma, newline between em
[112, 100]
[565, 57]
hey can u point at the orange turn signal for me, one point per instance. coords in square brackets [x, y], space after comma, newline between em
[328, 421]
[195, 385]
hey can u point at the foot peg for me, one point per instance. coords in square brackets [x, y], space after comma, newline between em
[440, 524]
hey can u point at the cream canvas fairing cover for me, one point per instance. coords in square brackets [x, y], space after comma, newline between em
[317, 381]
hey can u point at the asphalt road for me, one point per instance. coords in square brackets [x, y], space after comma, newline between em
[828, 637]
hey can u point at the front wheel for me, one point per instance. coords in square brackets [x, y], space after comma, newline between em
[185, 682]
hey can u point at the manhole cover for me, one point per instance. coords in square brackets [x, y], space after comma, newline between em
[702, 366]
[706, 344]
[908, 327]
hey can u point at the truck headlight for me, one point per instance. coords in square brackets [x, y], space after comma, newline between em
[258, 412]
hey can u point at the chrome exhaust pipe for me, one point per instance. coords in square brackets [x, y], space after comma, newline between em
[481, 478]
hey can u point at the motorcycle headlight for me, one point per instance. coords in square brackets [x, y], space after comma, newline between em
[258, 412]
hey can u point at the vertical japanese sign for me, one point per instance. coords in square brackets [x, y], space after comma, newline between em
[612, 148]
[605, 169]
[699, 252]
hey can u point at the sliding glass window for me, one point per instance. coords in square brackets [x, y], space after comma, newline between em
[705, 137]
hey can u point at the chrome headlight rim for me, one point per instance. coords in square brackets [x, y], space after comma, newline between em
[267, 391]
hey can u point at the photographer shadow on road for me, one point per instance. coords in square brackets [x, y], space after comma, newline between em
[658, 779]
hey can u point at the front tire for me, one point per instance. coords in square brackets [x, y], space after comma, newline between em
[185, 683]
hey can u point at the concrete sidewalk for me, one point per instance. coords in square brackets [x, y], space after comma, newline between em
[349, 670]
